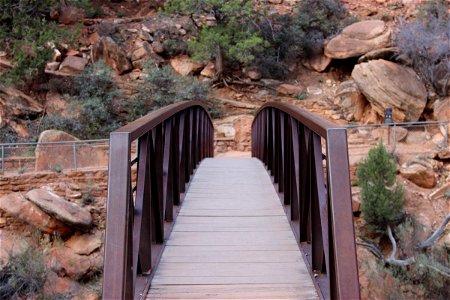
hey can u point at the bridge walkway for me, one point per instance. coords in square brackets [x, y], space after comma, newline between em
[232, 240]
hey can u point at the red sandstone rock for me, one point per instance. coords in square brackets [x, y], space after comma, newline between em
[184, 65]
[19, 207]
[358, 39]
[389, 85]
[85, 244]
[105, 48]
[420, 175]
[63, 210]
[65, 262]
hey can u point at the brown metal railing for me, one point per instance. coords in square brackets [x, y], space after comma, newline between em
[141, 209]
[315, 190]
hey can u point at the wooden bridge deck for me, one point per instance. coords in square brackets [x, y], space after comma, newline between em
[232, 240]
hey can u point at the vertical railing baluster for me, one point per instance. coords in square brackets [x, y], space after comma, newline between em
[344, 282]
[118, 276]
[167, 172]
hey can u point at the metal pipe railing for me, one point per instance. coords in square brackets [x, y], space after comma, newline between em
[171, 143]
[315, 191]
[74, 145]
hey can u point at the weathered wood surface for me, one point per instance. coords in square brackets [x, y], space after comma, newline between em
[232, 240]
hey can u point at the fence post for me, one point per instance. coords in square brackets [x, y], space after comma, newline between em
[3, 160]
[446, 135]
[75, 155]
[395, 136]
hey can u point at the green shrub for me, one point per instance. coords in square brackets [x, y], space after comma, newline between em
[57, 168]
[382, 198]
[23, 276]
[425, 42]
[234, 37]
[162, 87]
[300, 36]
[8, 135]
[93, 103]
[27, 33]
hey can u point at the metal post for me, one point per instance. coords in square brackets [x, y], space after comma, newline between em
[446, 135]
[3, 160]
[75, 155]
[395, 136]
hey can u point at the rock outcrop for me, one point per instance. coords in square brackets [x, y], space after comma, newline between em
[105, 48]
[85, 244]
[318, 62]
[67, 212]
[18, 206]
[358, 39]
[65, 262]
[73, 65]
[389, 85]
[184, 65]
[419, 174]
[351, 100]
[15, 104]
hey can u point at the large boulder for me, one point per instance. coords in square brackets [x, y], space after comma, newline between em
[389, 85]
[350, 99]
[358, 39]
[441, 109]
[49, 156]
[61, 155]
[19, 207]
[318, 62]
[65, 262]
[419, 174]
[105, 48]
[73, 65]
[85, 244]
[184, 65]
[67, 212]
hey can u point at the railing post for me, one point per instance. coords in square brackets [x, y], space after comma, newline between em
[75, 155]
[118, 273]
[3, 160]
[345, 284]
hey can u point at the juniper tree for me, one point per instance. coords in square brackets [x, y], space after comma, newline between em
[382, 198]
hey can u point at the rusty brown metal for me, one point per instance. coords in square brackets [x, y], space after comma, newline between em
[171, 143]
[315, 192]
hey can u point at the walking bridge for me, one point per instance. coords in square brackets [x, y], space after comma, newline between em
[275, 226]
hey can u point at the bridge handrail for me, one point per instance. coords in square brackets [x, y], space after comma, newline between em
[289, 140]
[171, 142]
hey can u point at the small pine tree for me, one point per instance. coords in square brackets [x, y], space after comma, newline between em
[382, 198]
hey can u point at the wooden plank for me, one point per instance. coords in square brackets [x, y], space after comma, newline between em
[232, 240]
[242, 291]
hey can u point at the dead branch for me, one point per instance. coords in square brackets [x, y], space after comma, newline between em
[392, 260]
[372, 248]
[436, 235]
